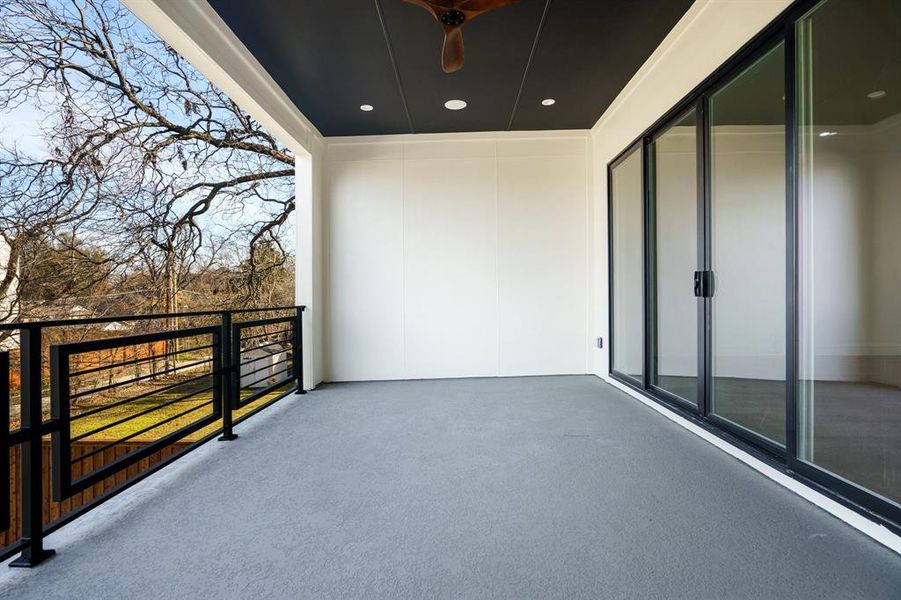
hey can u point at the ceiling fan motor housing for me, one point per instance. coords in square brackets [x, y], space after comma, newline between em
[453, 18]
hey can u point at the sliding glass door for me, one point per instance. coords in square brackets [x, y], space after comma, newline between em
[718, 252]
[755, 251]
[849, 101]
[627, 265]
[747, 241]
[674, 219]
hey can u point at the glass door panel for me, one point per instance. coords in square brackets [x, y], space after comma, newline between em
[674, 172]
[747, 223]
[627, 209]
[849, 83]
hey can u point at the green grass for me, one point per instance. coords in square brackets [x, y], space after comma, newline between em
[169, 406]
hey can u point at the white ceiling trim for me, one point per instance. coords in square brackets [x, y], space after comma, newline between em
[459, 136]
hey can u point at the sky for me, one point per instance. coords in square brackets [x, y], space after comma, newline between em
[21, 126]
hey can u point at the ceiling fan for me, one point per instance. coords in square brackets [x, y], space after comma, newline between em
[452, 15]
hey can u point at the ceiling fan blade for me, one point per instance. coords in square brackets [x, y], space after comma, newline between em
[452, 53]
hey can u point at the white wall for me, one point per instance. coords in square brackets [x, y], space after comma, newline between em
[884, 158]
[456, 255]
[748, 226]
[677, 251]
[628, 257]
[851, 292]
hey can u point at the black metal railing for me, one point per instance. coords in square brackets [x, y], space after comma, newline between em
[116, 406]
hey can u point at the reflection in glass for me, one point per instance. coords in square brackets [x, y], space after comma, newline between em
[849, 86]
[628, 330]
[675, 194]
[747, 124]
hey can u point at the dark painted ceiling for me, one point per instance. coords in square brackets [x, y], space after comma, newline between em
[331, 56]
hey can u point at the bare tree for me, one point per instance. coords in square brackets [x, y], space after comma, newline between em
[171, 159]
[39, 201]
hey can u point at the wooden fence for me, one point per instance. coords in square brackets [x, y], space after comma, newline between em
[55, 510]
[98, 359]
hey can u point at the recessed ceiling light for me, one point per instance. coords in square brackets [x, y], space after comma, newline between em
[828, 133]
[876, 95]
[366, 107]
[548, 102]
[455, 105]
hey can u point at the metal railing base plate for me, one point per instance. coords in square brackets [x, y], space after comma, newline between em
[28, 560]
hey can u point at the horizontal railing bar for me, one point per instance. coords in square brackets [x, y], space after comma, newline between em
[146, 411]
[259, 335]
[139, 360]
[273, 309]
[18, 436]
[17, 546]
[51, 425]
[244, 387]
[268, 355]
[106, 388]
[123, 462]
[241, 325]
[264, 367]
[72, 348]
[143, 395]
[128, 318]
[142, 431]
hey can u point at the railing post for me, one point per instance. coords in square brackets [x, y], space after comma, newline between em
[4, 442]
[227, 368]
[32, 498]
[298, 348]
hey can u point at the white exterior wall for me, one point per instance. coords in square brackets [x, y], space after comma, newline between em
[457, 255]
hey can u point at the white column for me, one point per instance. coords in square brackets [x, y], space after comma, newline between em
[306, 257]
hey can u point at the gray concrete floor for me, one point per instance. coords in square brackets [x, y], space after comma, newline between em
[551, 487]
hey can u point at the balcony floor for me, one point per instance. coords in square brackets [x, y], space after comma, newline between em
[547, 487]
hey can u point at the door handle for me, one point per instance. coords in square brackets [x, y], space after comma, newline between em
[704, 284]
